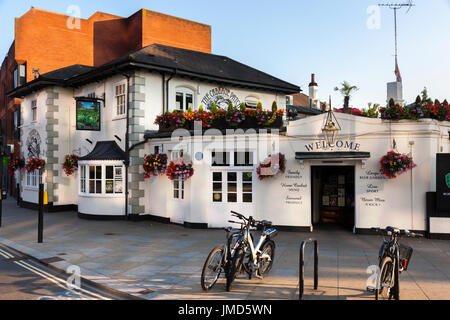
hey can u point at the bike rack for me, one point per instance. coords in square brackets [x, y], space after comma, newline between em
[302, 266]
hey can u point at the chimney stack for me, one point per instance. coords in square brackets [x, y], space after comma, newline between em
[313, 93]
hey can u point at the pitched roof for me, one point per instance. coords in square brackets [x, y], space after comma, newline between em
[105, 150]
[56, 77]
[176, 61]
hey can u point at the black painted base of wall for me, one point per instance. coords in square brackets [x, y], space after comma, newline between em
[100, 217]
[48, 208]
[370, 232]
[439, 236]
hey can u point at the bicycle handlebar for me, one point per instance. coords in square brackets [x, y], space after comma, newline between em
[399, 232]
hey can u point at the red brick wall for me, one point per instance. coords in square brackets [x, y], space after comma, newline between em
[175, 32]
[115, 38]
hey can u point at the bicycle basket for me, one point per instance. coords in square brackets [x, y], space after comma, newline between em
[405, 254]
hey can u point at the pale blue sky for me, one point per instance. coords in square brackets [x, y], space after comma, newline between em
[291, 39]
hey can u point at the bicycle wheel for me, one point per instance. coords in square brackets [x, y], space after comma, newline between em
[267, 257]
[386, 281]
[212, 269]
[236, 267]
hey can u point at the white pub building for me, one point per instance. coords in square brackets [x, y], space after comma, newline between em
[106, 115]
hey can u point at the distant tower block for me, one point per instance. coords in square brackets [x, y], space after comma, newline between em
[395, 91]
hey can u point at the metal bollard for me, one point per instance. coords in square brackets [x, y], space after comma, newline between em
[302, 266]
[41, 214]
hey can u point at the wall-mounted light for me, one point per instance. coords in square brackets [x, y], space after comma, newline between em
[331, 128]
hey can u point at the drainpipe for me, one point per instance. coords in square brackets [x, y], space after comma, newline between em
[167, 87]
[127, 142]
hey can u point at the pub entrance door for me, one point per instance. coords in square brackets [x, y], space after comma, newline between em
[333, 196]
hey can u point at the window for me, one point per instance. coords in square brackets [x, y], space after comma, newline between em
[178, 189]
[232, 187]
[184, 99]
[114, 180]
[239, 159]
[120, 97]
[34, 179]
[102, 179]
[95, 179]
[83, 179]
[220, 159]
[16, 124]
[20, 75]
[34, 110]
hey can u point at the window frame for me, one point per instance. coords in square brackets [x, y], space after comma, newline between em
[181, 190]
[84, 179]
[124, 94]
[225, 183]
[34, 116]
[184, 91]
[33, 179]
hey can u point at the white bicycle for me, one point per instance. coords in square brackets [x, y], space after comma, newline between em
[249, 258]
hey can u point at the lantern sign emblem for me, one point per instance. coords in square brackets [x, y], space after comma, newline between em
[447, 180]
[330, 129]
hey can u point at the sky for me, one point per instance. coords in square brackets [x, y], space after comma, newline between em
[345, 40]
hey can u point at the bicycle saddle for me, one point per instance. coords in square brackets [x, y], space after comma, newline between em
[266, 223]
[393, 230]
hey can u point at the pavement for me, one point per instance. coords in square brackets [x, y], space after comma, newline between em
[149, 260]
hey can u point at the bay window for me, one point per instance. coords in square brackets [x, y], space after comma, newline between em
[101, 179]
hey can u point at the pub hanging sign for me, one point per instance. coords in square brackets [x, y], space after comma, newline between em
[88, 114]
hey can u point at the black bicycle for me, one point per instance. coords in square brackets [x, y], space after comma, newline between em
[394, 258]
[219, 260]
[251, 257]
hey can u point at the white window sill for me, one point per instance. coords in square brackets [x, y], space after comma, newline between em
[28, 188]
[102, 196]
[121, 117]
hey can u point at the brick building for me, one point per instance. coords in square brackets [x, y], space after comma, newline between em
[46, 41]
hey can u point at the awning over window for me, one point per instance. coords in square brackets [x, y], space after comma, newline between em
[105, 150]
[349, 155]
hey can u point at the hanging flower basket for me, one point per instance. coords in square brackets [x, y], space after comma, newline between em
[35, 164]
[70, 164]
[393, 164]
[272, 166]
[14, 165]
[154, 165]
[181, 170]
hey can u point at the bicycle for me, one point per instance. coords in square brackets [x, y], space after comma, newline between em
[219, 260]
[252, 259]
[393, 258]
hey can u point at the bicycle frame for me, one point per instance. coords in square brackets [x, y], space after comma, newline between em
[254, 250]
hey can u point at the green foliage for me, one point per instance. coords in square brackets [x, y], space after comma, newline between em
[391, 103]
[274, 106]
[243, 107]
[372, 111]
[189, 110]
[214, 108]
[200, 109]
[259, 106]
[230, 107]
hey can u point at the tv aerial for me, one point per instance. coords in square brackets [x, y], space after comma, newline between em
[397, 6]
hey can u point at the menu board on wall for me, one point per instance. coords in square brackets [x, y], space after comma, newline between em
[443, 184]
